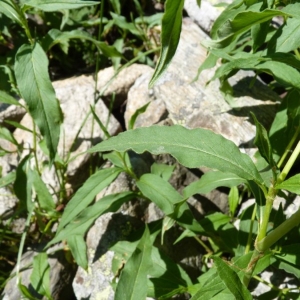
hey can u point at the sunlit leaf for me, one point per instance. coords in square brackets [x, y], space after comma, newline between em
[170, 34]
[78, 248]
[86, 194]
[133, 279]
[292, 184]
[192, 148]
[31, 70]
[40, 276]
[54, 5]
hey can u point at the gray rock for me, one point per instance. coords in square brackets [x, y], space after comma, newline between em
[108, 85]
[77, 135]
[61, 274]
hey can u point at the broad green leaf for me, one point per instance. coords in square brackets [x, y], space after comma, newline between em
[138, 112]
[31, 70]
[165, 275]
[45, 199]
[162, 170]
[241, 23]
[293, 112]
[159, 191]
[287, 37]
[133, 279]
[170, 35]
[192, 148]
[210, 62]
[283, 73]
[292, 184]
[9, 178]
[231, 280]
[86, 194]
[78, 248]
[210, 181]
[40, 276]
[80, 224]
[286, 58]
[23, 183]
[262, 142]
[54, 5]
[233, 200]
[7, 135]
[259, 34]
[7, 8]
[6, 98]
[228, 14]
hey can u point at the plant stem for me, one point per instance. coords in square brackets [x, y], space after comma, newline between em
[279, 232]
[207, 249]
[289, 147]
[249, 241]
[289, 164]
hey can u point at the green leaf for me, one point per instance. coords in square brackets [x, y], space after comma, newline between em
[192, 148]
[162, 170]
[165, 276]
[292, 184]
[233, 200]
[78, 248]
[159, 191]
[8, 9]
[23, 183]
[121, 22]
[9, 178]
[7, 135]
[262, 142]
[86, 194]
[170, 35]
[138, 112]
[6, 98]
[231, 280]
[31, 70]
[287, 37]
[80, 224]
[45, 199]
[241, 23]
[40, 276]
[54, 5]
[210, 181]
[55, 36]
[25, 292]
[133, 279]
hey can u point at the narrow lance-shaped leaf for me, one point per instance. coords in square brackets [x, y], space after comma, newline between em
[40, 277]
[133, 280]
[210, 181]
[86, 194]
[262, 142]
[171, 28]
[231, 280]
[31, 70]
[80, 224]
[54, 5]
[192, 148]
[160, 192]
[8, 9]
[7, 99]
[78, 248]
[292, 184]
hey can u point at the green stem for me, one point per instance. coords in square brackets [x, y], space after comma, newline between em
[289, 164]
[289, 147]
[22, 243]
[207, 249]
[278, 232]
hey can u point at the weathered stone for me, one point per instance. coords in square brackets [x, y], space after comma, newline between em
[75, 95]
[195, 104]
[61, 274]
[118, 86]
[11, 113]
